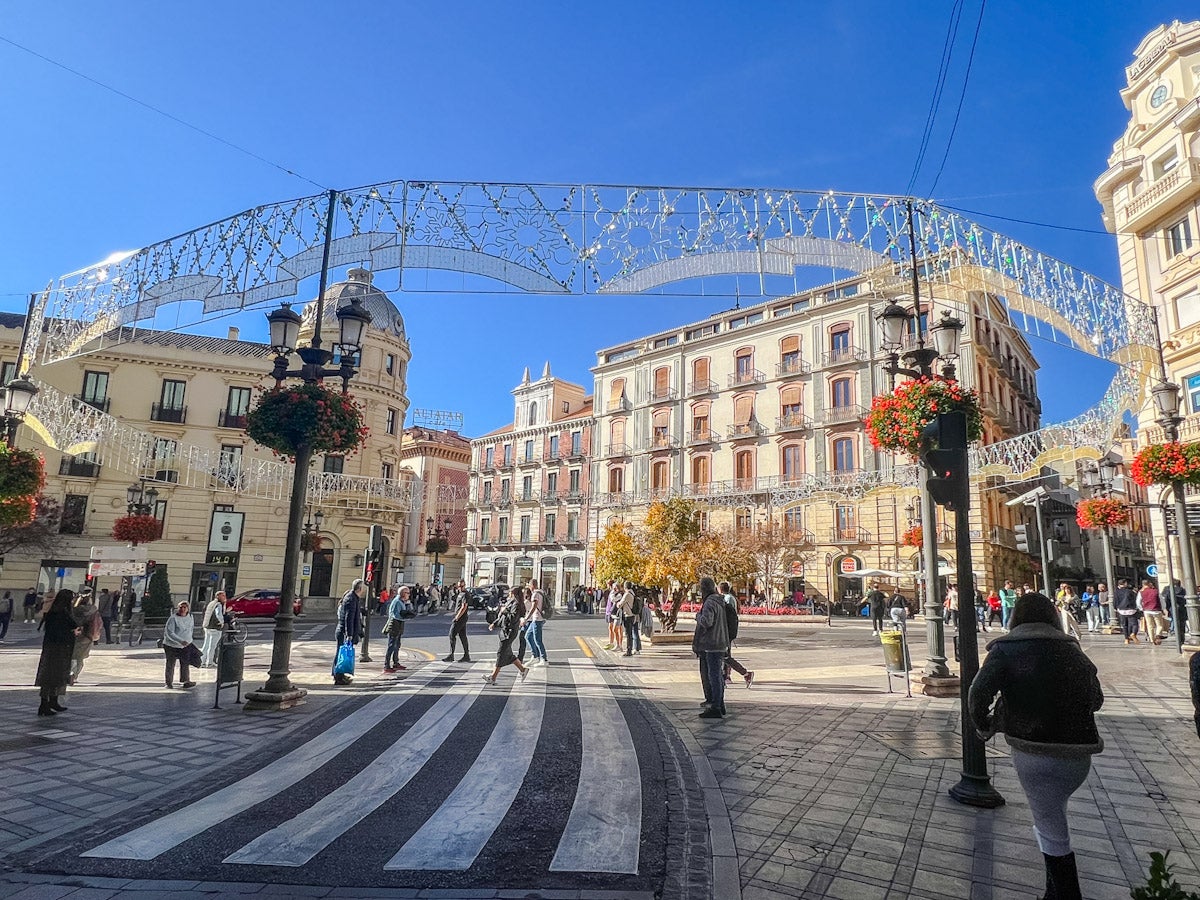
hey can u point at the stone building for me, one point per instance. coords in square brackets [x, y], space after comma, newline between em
[441, 459]
[530, 490]
[169, 409]
[1150, 195]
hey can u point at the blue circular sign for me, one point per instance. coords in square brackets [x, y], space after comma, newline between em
[1152, 570]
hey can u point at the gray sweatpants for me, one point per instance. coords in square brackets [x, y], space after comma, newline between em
[1048, 783]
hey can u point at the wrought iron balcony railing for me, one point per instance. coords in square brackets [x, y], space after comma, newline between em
[741, 379]
[850, 535]
[748, 430]
[792, 368]
[226, 419]
[160, 413]
[840, 415]
[702, 386]
[843, 356]
[618, 449]
[663, 395]
[662, 442]
[702, 436]
[793, 422]
[100, 403]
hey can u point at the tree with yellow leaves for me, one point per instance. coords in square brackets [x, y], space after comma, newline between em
[619, 555]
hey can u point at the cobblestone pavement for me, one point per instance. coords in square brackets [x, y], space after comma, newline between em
[819, 783]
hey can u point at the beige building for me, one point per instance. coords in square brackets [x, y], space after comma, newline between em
[530, 490]
[441, 460]
[1150, 194]
[171, 408]
[758, 412]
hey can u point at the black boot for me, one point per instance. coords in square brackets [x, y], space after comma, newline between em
[1050, 894]
[54, 705]
[1064, 877]
[45, 710]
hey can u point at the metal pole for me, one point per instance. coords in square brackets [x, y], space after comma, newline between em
[1180, 626]
[829, 590]
[1106, 544]
[1044, 551]
[975, 787]
[1186, 562]
[935, 631]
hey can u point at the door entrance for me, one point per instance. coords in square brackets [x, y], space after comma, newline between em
[207, 580]
[322, 574]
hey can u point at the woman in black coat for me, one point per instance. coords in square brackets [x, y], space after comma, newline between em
[1048, 695]
[508, 621]
[58, 644]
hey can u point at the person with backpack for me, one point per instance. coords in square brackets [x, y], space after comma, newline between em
[878, 602]
[1126, 604]
[534, 620]
[710, 643]
[731, 625]
[507, 621]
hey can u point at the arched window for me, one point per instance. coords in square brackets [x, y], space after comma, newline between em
[789, 355]
[842, 393]
[743, 413]
[662, 384]
[839, 341]
[744, 465]
[743, 371]
[701, 470]
[701, 423]
[790, 407]
[743, 518]
[616, 432]
[660, 475]
[661, 435]
[616, 395]
[791, 462]
[701, 376]
[616, 479]
[533, 413]
[843, 455]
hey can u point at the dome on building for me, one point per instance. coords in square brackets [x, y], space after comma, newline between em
[385, 317]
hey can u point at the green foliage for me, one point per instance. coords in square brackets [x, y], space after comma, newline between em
[437, 545]
[1160, 885]
[312, 415]
[157, 604]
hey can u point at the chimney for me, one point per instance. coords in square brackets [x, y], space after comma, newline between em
[234, 331]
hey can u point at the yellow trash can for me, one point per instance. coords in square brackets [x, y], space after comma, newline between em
[893, 651]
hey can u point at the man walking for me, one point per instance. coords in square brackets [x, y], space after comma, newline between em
[710, 643]
[458, 627]
[878, 603]
[627, 618]
[349, 623]
[732, 624]
[29, 606]
[212, 621]
[395, 631]
[6, 612]
[534, 622]
[1008, 602]
[106, 604]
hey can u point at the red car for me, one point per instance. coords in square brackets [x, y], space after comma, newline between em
[261, 603]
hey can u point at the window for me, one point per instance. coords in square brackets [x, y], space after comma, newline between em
[660, 475]
[529, 450]
[489, 457]
[238, 401]
[554, 446]
[533, 413]
[505, 491]
[790, 406]
[386, 471]
[616, 435]
[229, 464]
[1165, 164]
[841, 393]
[566, 406]
[661, 435]
[843, 455]
[573, 481]
[662, 383]
[74, 514]
[846, 522]
[703, 331]
[504, 529]
[791, 461]
[1179, 238]
[700, 470]
[743, 465]
[551, 483]
[160, 512]
[508, 454]
[525, 529]
[572, 526]
[839, 342]
[668, 341]
[389, 363]
[616, 394]
[7, 373]
[576, 443]
[485, 530]
[551, 529]
[527, 487]
[793, 519]
[335, 465]
[748, 319]
[744, 366]
[1192, 387]
[172, 394]
[487, 492]
[222, 507]
[700, 422]
[616, 479]
[789, 355]
[700, 375]
[164, 452]
[742, 519]
[389, 425]
[743, 413]
[95, 388]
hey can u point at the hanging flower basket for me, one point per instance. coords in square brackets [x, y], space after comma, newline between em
[16, 511]
[1167, 463]
[1101, 512]
[287, 418]
[137, 529]
[310, 542]
[22, 473]
[896, 420]
[914, 537]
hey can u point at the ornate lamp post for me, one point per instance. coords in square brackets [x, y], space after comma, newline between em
[919, 361]
[437, 542]
[1100, 479]
[140, 500]
[279, 692]
[18, 395]
[1166, 403]
[312, 528]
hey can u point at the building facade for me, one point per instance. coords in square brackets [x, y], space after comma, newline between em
[1150, 195]
[442, 460]
[530, 489]
[169, 410]
[758, 414]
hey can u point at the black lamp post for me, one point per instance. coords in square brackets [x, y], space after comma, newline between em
[437, 541]
[1100, 480]
[279, 692]
[140, 500]
[1166, 403]
[312, 528]
[18, 395]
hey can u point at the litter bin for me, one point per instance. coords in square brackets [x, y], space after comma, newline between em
[231, 657]
[893, 651]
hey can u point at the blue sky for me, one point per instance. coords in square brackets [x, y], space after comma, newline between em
[781, 94]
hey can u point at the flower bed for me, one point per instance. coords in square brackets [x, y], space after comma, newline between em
[287, 418]
[755, 610]
[1101, 512]
[1167, 463]
[896, 421]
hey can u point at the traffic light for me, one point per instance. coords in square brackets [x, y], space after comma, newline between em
[1022, 533]
[946, 460]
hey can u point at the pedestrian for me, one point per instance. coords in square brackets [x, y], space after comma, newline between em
[732, 623]
[136, 617]
[878, 603]
[398, 611]
[212, 621]
[1049, 693]
[177, 641]
[435, 597]
[29, 606]
[710, 643]
[534, 622]
[107, 606]
[458, 627]
[1091, 608]
[507, 622]
[1102, 600]
[623, 613]
[7, 605]
[58, 643]
[898, 611]
[349, 624]
[981, 608]
[1194, 684]
[1026, 589]
[951, 604]
[1174, 600]
[518, 598]
[87, 620]
[1125, 603]
[612, 617]
[385, 599]
[1150, 603]
[1066, 603]
[995, 609]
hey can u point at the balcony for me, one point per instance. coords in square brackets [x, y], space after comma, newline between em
[617, 449]
[663, 442]
[843, 356]
[527, 462]
[743, 379]
[616, 406]
[749, 430]
[1170, 190]
[488, 468]
[792, 368]
[793, 422]
[850, 535]
[571, 495]
[78, 468]
[1004, 537]
[663, 395]
[505, 463]
[100, 403]
[160, 413]
[842, 415]
[799, 537]
[571, 453]
[701, 387]
[699, 436]
[226, 419]
[505, 499]
[529, 498]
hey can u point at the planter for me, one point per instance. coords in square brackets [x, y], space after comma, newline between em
[897, 420]
[914, 537]
[1101, 512]
[1167, 463]
[137, 529]
[312, 415]
[22, 473]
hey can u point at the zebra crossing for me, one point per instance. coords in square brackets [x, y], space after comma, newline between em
[602, 833]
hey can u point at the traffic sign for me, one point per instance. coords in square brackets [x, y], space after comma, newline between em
[306, 571]
[1152, 570]
[119, 552]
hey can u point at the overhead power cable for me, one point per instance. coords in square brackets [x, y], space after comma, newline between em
[162, 112]
[939, 85]
[961, 96]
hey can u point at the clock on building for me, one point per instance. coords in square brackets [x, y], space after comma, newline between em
[1159, 96]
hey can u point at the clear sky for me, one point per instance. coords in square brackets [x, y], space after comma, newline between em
[779, 94]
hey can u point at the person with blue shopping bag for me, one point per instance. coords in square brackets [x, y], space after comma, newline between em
[349, 631]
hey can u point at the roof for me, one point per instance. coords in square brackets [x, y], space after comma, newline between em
[184, 341]
[385, 316]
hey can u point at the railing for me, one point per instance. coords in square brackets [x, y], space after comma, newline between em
[944, 534]
[505, 499]
[753, 376]
[663, 442]
[621, 405]
[662, 395]
[795, 367]
[1166, 186]
[618, 449]
[1005, 537]
[748, 430]
[839, 415]
[701, 436]
[571, 496]
[527, 461]
[100, 403]
[160, 413]
[703, 386]
[571, 453]
[529, 497]
[850, 535]
[78, 468]
[843, 355]
[1189, 430]
[793, 422]
[226, 419]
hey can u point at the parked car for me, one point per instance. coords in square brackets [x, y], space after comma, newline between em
[260, 603]
[487, 597]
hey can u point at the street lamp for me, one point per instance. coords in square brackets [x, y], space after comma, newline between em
[284, 323]
[312, 528]
[18, 395]
[1100, 479]
[140, 500]
[1166, 402]
[437, 541]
